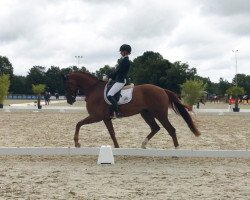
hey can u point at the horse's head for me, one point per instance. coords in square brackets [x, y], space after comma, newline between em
[79, 82]
[71, 89]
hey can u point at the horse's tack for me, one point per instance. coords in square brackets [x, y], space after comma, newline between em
[124, 96]
[131, 85]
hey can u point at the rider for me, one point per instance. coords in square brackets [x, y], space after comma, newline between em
[119, 76]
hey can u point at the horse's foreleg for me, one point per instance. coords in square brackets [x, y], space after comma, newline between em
[110, 128]
[87, 120]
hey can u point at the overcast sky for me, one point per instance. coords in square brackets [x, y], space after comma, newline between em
[202, 33]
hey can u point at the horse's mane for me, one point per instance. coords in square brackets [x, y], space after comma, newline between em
[89, 75]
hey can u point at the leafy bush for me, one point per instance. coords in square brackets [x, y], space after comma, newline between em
[4, 86]
[235, 91]
[192, 91]
[38, 89]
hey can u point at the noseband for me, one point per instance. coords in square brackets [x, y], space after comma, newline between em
[73, 97]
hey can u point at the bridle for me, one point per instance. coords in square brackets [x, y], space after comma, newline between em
[71, 95]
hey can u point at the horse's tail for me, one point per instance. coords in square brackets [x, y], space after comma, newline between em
[180, 109]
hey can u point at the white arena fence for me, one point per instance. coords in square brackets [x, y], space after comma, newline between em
[106, 153]
[34, 97]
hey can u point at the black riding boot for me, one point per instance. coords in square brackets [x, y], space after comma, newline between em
[115, 106]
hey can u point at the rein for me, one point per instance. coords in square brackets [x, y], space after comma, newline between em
[86, 90]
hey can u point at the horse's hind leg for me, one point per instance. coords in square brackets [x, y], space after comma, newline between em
[168, 126]
[149, 119]
[110, 128]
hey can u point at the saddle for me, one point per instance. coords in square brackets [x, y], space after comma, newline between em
[123, 96]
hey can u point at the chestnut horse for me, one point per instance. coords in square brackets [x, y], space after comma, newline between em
[150, 101]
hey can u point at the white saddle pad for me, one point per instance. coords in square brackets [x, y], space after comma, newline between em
[126, 96]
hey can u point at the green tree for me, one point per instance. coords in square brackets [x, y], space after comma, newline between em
[4, 87]
[178, 74]
[36, 75]
[235, 92]
[18, 85]
[243, 80]
[152, 68]
[104, 71]
[5, 66]
[215, 88]
[208, 82]
[67, 70]
[192, 91]
[247, 85]
[83, 69]
[53, 80]
[223, 86]
[74, 68]
[38, 89]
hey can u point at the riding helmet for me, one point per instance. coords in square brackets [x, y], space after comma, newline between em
[125, 47]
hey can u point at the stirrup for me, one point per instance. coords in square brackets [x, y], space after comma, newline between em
[112, 114]
[118, 115]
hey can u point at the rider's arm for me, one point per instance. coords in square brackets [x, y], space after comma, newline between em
[121, 70]
[112, 75]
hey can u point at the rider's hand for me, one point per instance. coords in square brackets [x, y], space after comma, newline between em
[105, 78]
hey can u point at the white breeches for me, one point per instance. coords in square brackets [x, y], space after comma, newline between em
[115, 88]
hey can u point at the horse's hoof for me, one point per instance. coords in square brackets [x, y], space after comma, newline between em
[78, 145]
[144, 143]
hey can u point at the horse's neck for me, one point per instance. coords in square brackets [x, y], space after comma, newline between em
[87, 84]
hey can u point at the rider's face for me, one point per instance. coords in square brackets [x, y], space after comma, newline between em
[124, 53]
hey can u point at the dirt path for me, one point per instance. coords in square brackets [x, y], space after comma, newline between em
[130, 178]
[79, 177]
[57, 129]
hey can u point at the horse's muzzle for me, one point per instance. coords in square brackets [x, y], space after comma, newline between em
[70, 99]
[69, 102]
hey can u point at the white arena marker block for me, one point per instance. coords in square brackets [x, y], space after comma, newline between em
[105, 155]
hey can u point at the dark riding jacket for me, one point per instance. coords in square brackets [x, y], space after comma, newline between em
[121, 71]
